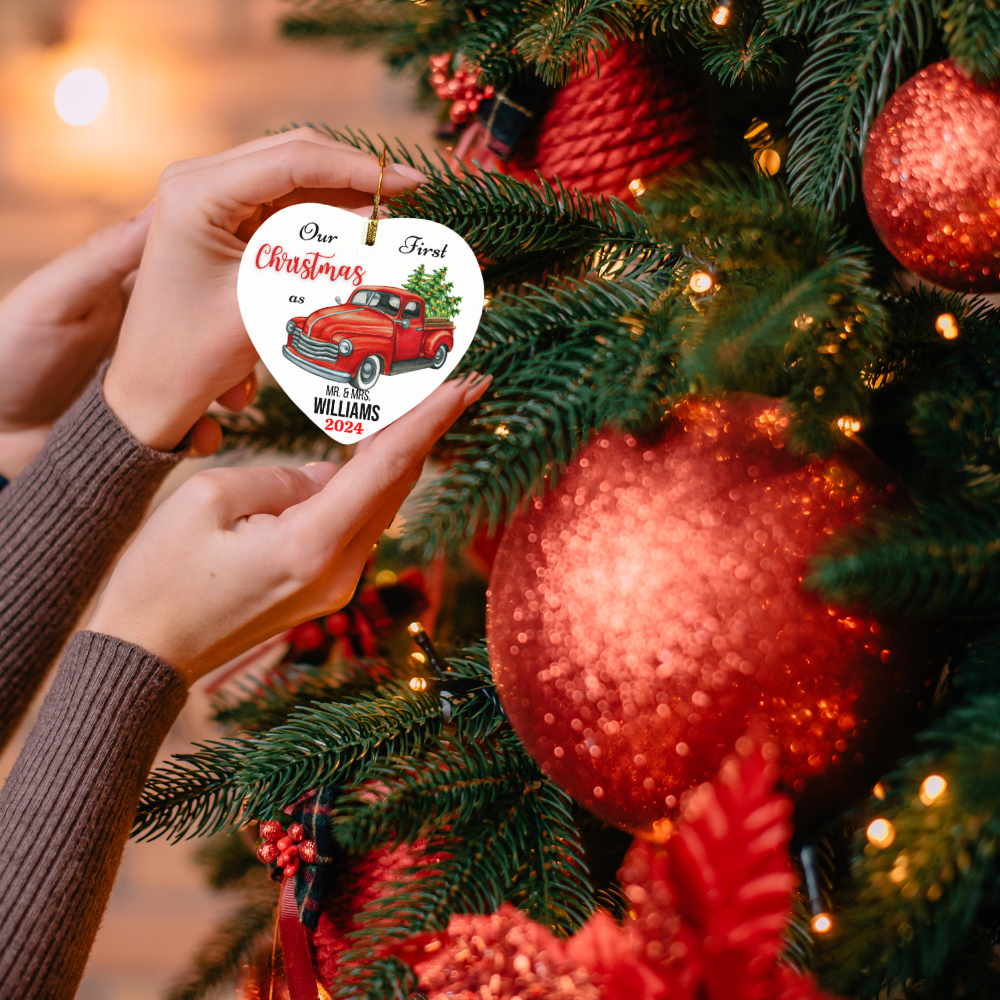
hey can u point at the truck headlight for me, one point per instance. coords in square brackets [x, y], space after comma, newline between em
[346, 347]
[290, 327]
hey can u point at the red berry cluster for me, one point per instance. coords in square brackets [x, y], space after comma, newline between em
[461, 88]
[285, 848]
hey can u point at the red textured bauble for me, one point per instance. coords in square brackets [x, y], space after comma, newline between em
[931, 178]
[625, 117]
[649, 610]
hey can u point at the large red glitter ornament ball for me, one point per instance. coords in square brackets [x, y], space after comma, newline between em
[931, 178]
[649, 610]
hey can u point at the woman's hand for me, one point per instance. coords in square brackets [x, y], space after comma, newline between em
[237, 555]
[183, 342]
[56, 327]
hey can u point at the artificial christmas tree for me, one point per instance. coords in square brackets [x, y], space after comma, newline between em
[757, 273]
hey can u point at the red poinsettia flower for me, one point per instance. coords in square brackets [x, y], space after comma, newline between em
[708, 910]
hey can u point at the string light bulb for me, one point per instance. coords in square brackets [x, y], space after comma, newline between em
[879, 791]
[822, 923]
[932, 788]
[414, 628]
[767, 161]
[849, 425]
[701, 282]
[722, 13]
[418, 683]
[637, 187]
[881, 833]
[947, 326]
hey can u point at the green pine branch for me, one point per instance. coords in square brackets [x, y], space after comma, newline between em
[566, 362]
[335, 744]
[521, 229]
[487, 39]
[559, 38]
[915, 903]
[220, 960]
[332, 743]
[863, 52]
[448, 783]
[529, 854]
[192, 794]
[791, 312]
[944, 563]
[197, 794]
[972, 33]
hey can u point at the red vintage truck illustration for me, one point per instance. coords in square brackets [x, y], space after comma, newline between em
[379, 330]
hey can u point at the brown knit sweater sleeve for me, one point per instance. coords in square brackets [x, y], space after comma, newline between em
[62, 520]
[68, 805]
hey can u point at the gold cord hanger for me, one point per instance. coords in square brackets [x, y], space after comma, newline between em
[373, 221]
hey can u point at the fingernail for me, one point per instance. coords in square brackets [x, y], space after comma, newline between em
[476, 389]
[410, 173]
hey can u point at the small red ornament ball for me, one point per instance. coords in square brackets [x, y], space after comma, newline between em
[649, 610]
[931, 178]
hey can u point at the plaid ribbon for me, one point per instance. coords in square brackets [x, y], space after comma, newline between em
[314, 881]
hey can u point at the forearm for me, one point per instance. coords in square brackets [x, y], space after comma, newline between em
[68, 805]
[62, 521]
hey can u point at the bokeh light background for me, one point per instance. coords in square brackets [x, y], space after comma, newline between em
[185, 78]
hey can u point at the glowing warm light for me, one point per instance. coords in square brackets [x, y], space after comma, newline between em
[933, 787]
[849, 425]
[822, 923]
[881, 833]
[418, 657]
[720, 15]
[637, 187]
[767, 161]
[947, 326]
[418, 684]
[415, 628]
[385, 578]
[81, 95]
[501, 430]
[701, 282]
[879, 792]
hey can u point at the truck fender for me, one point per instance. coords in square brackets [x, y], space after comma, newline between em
[438, 337]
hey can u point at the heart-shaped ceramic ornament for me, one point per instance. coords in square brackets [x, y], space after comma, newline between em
[358, 335]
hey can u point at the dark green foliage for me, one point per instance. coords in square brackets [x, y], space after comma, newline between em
[792, 313]
[319, 742]
[528, 853]
[522, 229]
[192, 795]
[197, 794]
[449, 781]
[275, 423]
[220, 960]
[972, 32]
[905, 926]
[862, 53]
[331, 744]
[559, 37]
[257, 705]
[566, 362]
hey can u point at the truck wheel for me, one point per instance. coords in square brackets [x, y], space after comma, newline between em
[368, 372]
[440, 356]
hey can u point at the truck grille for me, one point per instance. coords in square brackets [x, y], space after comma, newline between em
[315, 349]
